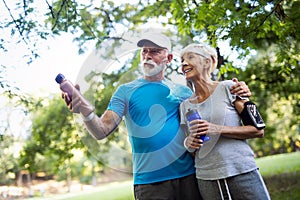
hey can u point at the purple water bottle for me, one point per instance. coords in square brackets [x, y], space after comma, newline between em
[193, 114]
[66, 86]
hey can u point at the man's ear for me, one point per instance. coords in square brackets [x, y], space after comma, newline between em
[170, 57]
[235, 80]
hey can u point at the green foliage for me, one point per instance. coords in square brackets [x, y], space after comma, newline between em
[276, 93]
[246, 24]
[93, 21]
[24, 26]
[8, 161]
[53, 137]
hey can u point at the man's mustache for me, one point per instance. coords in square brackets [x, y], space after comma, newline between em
[149, 62]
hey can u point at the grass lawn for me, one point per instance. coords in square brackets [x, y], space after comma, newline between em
[122, 191]
[279, 164]
[280, 172]
[282, 175]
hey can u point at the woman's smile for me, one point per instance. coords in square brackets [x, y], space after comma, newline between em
[187, 69]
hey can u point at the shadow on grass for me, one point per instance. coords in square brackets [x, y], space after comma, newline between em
[284, 186]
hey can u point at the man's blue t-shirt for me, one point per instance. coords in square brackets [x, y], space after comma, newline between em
[151, 111]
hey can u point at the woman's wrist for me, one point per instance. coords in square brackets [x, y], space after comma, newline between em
[191, 150]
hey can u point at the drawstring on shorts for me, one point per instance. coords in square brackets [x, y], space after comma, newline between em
[226, 190]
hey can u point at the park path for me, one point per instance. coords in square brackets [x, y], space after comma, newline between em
[74, 193]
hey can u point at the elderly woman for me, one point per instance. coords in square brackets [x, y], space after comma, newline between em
[225, 165]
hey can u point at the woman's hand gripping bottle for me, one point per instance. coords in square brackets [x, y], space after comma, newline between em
[193, 114]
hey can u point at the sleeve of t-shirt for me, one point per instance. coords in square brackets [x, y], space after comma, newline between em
[181, 112]
[232, 97]
[183, 122]
[118, 102]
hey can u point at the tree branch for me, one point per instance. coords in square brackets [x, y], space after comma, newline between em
[16, 23]
[266, 17]
[57, 17]
[50, 8]
[24, 6]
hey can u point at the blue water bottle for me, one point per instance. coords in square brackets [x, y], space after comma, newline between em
[193, 114]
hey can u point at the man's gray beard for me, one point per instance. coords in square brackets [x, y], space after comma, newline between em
[151, 71]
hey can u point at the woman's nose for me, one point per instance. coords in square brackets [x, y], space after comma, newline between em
[183, 63]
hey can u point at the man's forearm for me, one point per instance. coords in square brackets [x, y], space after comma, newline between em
[96, 128]
[101, 127]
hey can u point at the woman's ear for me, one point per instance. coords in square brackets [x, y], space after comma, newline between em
[208, 61]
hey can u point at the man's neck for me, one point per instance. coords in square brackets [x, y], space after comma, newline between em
[157, 77]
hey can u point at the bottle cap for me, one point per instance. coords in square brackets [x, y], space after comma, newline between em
[191, 111]
[59, 78]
